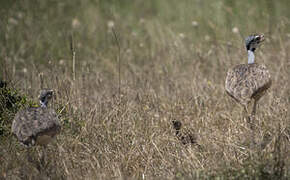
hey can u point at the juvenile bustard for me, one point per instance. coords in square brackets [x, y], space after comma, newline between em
[185, 138]
[37, 125]
[247, 82]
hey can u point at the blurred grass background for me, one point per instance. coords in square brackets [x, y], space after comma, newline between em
[174, 58]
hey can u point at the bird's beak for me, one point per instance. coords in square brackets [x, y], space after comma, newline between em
[262, 37]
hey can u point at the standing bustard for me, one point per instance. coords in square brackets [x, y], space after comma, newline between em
[247, 82]
[37, 125]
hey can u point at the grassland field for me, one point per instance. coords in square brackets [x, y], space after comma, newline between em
[138, 66]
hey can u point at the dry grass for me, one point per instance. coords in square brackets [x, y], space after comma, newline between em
[165, 76]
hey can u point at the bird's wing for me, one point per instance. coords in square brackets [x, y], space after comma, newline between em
[244, 81]
[30, 122]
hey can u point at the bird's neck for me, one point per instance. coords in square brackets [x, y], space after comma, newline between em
[251, 57]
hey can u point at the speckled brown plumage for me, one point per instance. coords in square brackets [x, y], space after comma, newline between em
[245, 82]
[185, 138]
[32, 124]
[36, 125]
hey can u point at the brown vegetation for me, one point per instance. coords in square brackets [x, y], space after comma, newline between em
[166, 75]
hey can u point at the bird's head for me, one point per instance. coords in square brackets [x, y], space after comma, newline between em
[253, 41]
[44, 96]
[176, 125]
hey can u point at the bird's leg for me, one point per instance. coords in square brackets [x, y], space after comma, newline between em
[42, 156]
[245, 109]
[246, 113]
[252, 116]
[252, 119]
[31, 151]
[28, 156]
[43, 160]
[254, 108]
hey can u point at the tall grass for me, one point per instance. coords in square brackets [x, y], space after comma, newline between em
[175, 56]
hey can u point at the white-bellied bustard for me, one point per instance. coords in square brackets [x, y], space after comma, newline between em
[249, 82]
[37, 125]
